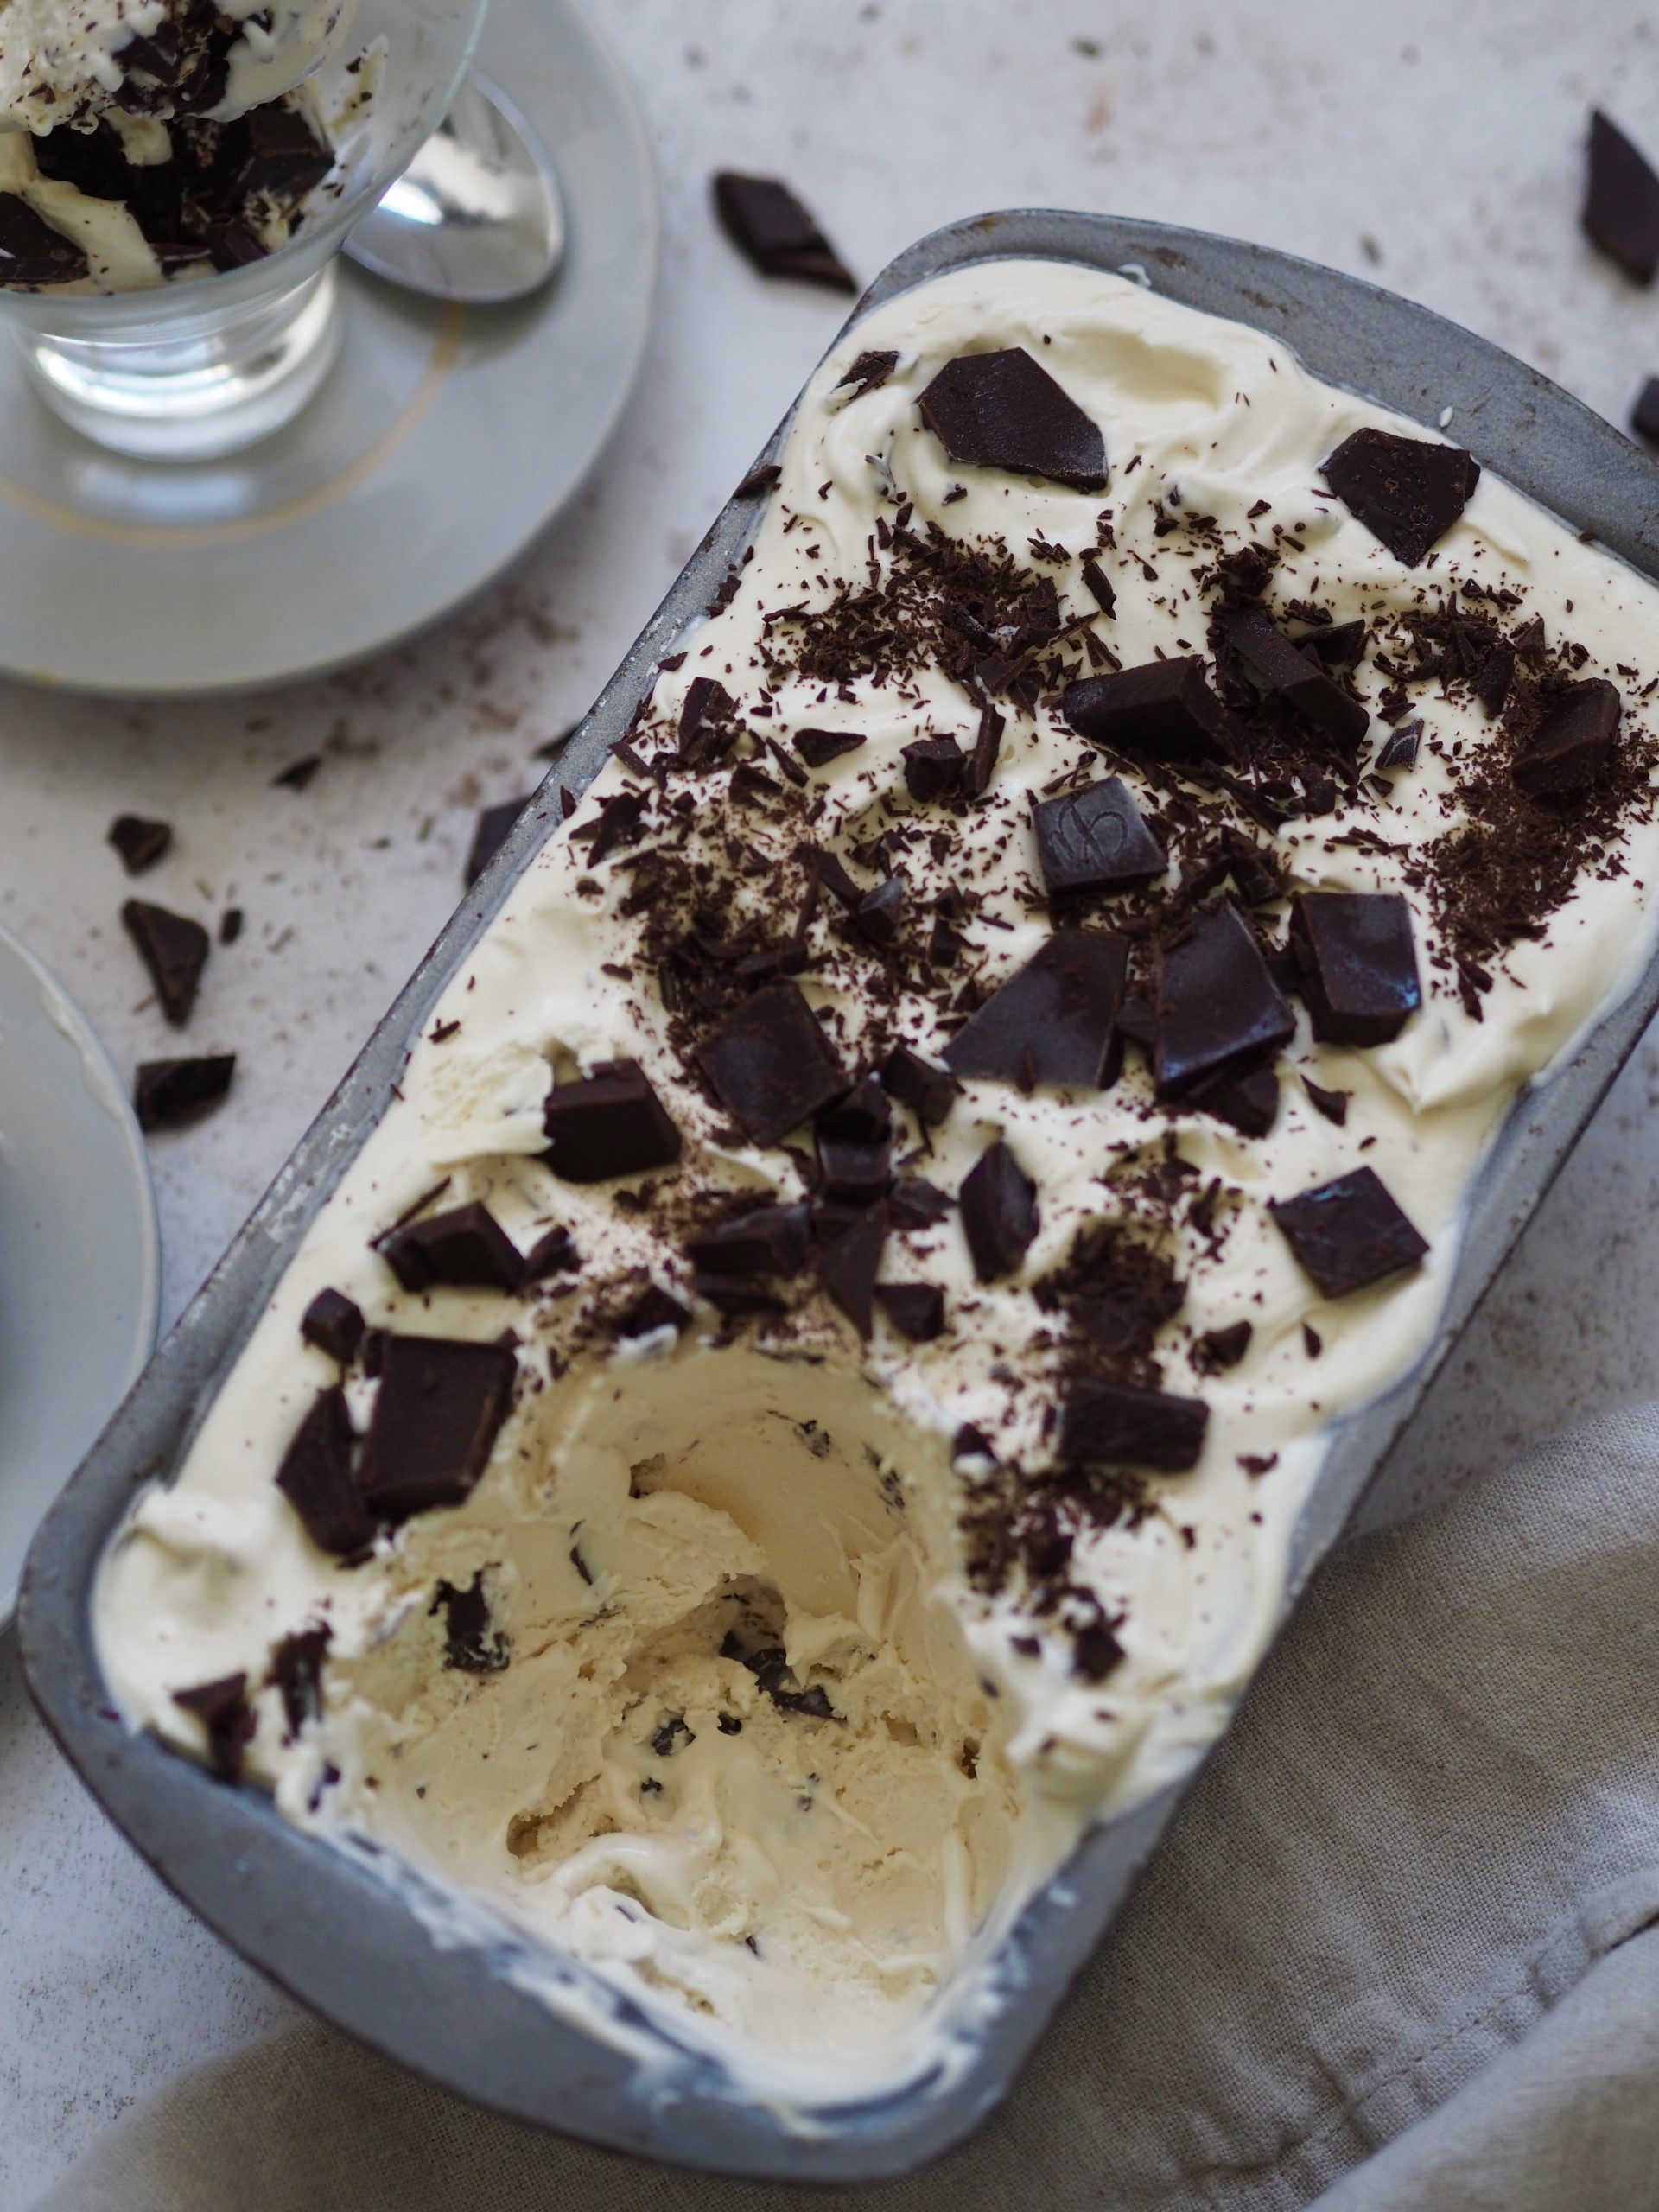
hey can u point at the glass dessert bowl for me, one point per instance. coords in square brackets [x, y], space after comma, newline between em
[179, 305]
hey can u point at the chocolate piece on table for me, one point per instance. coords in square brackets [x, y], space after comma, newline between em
[1644, 415]
[1224, 1348]
[493, 823]
[1407, 492]
[770, 1065]
[1105, 1424]
[998, 1203]
[868, 373]
[915, 1309]
[653, 1309]
[1569, 748]
[611, 1122]
[1217, 1002]
[769, 1241]
[223, 1709]
[1348, 1233]
[31, 251]
[316, 1478]
[1401, 751]
[175, 950]
[1246, 1099]
[230, 926]
[140, 843]
[166, 1092]
[1621, 210]
[1004, 410]
[818, 748]
[438, 1411]
[334, 1324]
[1100, 587]
[554, 1253]
[917, 1203]
[934, 768]
[863, 1117]
[298, 773]
[1053, 1021]
[1283, 670]
[928, 1092]
[1357, 964]
[1165, 708]
[768, 224]
[852, 1172]
[465, 1247]
[1096, 839]
[296, 1672]
[849, 1263]
[472, 1643]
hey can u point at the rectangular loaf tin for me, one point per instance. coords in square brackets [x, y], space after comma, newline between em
[328, 1930]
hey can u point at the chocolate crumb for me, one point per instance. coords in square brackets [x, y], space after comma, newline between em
[298, 773]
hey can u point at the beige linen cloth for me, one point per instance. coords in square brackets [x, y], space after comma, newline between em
[1400, 1950]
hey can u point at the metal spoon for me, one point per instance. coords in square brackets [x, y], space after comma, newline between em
[477, 215]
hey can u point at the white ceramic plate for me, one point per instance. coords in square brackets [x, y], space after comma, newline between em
[442, 444]
[80, 1257]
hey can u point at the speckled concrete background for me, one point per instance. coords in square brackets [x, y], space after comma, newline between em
[1437, 151]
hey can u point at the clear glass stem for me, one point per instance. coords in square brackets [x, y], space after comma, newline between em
[210, 385]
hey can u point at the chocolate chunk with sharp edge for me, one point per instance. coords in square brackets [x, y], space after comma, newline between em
[493, 823]
[298, 773]
[848, 1264]
[1224, 1348]
[140, 843]
[1333, 1104]
[762, 478]
[878, 912]
[768, 224]
[915, 1309]
[438, 1411]
[1137, 1020]
[1095, 1651]
[739, 1297]
[863, 1117]
[1644, 415]
[316, 1478]
[553, 1253]
[851, 1173]
[998, 1203]
[1569, 748]
[987, 745]
[166, 1092]
[770, 1064]
[1338, 645]
[1492, 686]
[868, 373]
[275, 152]
[769, 1241]
[653, 1309]
[1401, 751]
[917, 1203]
[1166, 709]
[1004, 410]
[463, 1248]
[1284, 671]
[818, 748]
[175, 950]
[831, 872]
[1121, 1425]
[1246, 1099]
[610, 1123]
[223, 1709]
[934, 768]
[1100, 586]
[334, 1324]
[31, 253]
[928, 1092]
[296, 1673]
[1348, 1233]
[1096, 839]
[705, 701]
[1358, 964]
[1621, 211]
[1407, 492]
[1052, 1023]
[472, 1643]
[1217, 1003]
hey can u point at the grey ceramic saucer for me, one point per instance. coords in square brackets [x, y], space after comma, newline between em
[79, 1260]
[443, 441]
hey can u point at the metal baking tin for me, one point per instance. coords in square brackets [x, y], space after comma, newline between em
[333, 1932]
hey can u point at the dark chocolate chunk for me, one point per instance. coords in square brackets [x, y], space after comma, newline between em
[849, 1263]
[1166, 709]
[863, 1117]
[1358, 965]
[1004, 410]
[917, 1203]
[868, 373]
[493, 823]
[1401, 751]
[610, 1123]
[553, 1253]
[223, 1709]
[31, 253]
[880, 912]
[274, 151]
[1100, 585]
[707, 705]
[1491, 685]
[1137, 1020]
[769, 1241]
[1407, 492]
[971, 1443]
[140, 843]
[1225, 1347]
[1096, 839]
[1644, 415]
[761, 478]
[334, 1324]
[1569, 748]
[653, 1309]
[230, 926]
[915, 1309]
[316, 1478]
[1053, 1021]
[465, 1249]
[1121, 1425]
[1348, 1233]
[1338, 645]
[1217, 1003]
[1246, 1099]
[1284, 671]
[674, 1732]
[166, 1092]
[934, 768]
[852, 1172]
[1621, 211]
[298, 773]
[472, 1643]
[439, 1408]
[999, 1213]
[1095, 1651]
[770, 1065]
[818, 748]
[768, 224]
[173, 949]
[296, 1672]
[928, 1091]
[1333, 1104]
